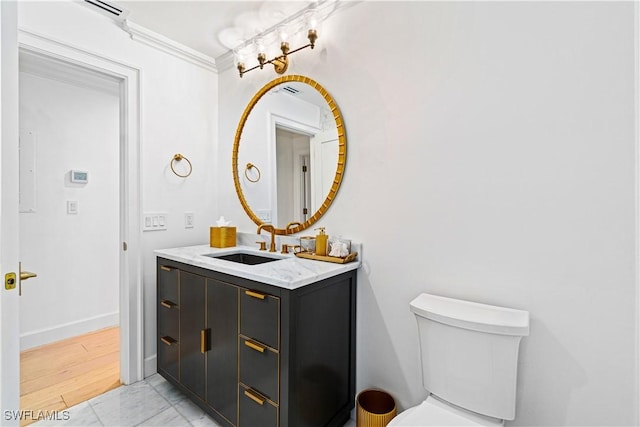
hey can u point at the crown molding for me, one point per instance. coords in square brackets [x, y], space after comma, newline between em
[165, 44]
[225, 61]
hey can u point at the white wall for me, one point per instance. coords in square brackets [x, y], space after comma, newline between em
[178, 115]
[75, 255]
[490, 157]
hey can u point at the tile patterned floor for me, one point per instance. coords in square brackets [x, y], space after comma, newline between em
[152, 402]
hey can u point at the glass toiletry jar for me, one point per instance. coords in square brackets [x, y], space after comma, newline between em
[308, 244]
[339, 246]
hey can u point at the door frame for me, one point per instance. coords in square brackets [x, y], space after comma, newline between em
[130, 271]
[9, 314]
[277, 121]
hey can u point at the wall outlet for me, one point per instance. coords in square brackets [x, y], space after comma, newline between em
[154, 221]
[188, 219]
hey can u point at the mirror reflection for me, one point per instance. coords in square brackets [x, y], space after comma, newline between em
[289, 154]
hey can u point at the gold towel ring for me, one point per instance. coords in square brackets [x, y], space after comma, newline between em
[177, 158]
[251, 166]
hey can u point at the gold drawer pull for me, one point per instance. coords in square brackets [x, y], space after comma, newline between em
[255, 294]
[165, 268]
[167, 303]
[204, 340]
[168, 340]
[255, 397]
[255, 346]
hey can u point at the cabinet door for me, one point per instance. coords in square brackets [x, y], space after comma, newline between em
[222, 358]
[192, 329]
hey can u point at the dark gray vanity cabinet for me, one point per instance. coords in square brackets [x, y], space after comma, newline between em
[197, 322]
[272, 356]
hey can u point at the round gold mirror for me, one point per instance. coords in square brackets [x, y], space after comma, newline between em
[289, 154]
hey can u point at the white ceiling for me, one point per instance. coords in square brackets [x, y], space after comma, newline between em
[212, 27]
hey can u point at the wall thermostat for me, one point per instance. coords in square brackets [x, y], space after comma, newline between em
[80, 177]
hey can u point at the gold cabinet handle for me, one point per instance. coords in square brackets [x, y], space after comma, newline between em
[255, 346]
[255, 294]
[204, 340]
[165, 268]
[255, 397]
[168, 340]
[168, 304]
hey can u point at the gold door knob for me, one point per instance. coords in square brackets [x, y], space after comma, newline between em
[24, 275]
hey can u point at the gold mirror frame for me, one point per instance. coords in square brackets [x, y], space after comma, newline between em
[342, 151]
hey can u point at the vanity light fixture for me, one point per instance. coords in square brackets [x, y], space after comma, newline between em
[281, 62]
[306, 18]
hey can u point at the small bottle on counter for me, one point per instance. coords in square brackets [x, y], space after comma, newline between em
[321, 242]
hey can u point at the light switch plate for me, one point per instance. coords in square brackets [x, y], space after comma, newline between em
[72, 207]
[264, 215]
[154, 221]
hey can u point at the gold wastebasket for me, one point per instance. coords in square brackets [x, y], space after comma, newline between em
[375, 408]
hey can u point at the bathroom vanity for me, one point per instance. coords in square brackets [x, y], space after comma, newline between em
[268, 344]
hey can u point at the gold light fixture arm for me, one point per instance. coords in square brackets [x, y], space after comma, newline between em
[280, 63]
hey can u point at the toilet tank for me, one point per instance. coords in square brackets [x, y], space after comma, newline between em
[469, 352]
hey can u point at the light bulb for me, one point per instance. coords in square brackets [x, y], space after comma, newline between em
[259, 45]
[311, 19]
[239, 57]
[283, 34]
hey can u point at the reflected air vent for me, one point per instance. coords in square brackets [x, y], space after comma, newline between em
[109, 8]
[290, 89]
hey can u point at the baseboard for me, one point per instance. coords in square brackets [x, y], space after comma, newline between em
[67, 330]
[150, 365]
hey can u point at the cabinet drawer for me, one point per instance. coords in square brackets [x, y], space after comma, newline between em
[168, 278]
[168, 321]
[255, 411]
[169, 355]
[259, 317]
[259, 368]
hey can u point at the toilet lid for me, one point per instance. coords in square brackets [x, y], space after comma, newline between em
[433, 412]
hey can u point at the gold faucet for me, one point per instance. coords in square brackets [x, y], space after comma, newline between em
[293, 224]
[270, 228]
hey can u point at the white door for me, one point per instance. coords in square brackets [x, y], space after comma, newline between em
[9, 328]
[324, 161]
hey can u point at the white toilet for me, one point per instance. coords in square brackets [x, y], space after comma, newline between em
[469, 355]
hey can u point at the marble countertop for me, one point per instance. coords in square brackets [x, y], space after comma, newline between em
[289, 272]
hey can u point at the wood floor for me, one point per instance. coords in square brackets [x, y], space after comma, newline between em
[57, 376]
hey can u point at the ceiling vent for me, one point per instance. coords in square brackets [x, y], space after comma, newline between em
[111, 9]
[290, 89]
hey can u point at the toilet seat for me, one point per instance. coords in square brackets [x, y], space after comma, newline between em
[435, 412]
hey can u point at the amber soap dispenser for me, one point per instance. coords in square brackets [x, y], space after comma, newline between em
[321, 242]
